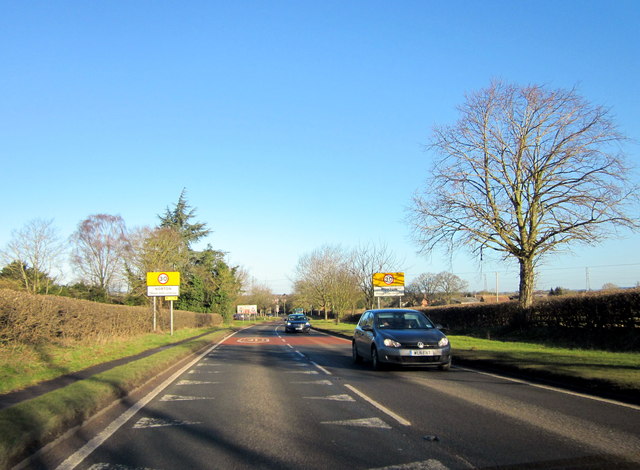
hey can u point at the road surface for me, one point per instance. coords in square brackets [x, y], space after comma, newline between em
[266, 399]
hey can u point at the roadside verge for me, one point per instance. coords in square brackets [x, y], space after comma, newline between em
[29, 425]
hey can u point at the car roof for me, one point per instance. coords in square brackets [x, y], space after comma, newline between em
[394, 310]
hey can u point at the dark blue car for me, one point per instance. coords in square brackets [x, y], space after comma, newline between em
[297, 323]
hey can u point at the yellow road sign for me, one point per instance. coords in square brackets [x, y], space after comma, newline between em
[388, 279]
[163, 278]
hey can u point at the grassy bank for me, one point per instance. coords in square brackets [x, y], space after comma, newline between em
[31, 424]
[22, 365]
[602, 371]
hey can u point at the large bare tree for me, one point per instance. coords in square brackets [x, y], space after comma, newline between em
[100, 245]
[526, 171]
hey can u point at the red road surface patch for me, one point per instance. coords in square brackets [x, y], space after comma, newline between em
[248, 341]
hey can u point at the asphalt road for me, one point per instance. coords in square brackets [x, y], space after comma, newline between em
[266, 399]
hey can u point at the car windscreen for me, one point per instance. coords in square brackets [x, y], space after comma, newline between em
[297, 318]
[402, 321]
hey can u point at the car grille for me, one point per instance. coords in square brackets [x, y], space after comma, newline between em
[425, 346]
[419, 359]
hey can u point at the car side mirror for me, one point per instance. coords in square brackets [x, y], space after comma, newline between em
[367, 328]
[440, 327]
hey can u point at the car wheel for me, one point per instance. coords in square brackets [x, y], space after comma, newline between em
[375, 361]
[357, 358]
[446, 366]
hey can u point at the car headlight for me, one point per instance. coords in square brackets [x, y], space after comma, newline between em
[307, 324]
[391, 343]
[288, 323]
[443, 342]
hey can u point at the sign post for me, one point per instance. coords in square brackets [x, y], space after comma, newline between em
[163, 284]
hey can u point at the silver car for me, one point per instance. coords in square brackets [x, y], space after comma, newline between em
[400, 336]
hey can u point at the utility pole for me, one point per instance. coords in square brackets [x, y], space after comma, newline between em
[586, 271]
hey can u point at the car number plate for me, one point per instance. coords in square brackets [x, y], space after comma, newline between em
[425, 352]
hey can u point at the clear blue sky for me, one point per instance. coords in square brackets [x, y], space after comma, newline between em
[291, 124]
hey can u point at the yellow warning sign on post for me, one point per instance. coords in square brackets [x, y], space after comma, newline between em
[388, 284]
[388, 279]
[163, 278]
[162, 284]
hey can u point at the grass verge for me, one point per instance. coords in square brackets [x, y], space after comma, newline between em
[28, 364]
[614, 374]
[29, 425]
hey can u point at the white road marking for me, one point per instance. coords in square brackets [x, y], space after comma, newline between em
[307, 372]
[195, 382]
[343, 397]
[321, 368]
[382, 408]
[183, 398]
[77, 457]
[363, 423]
[316, 382]
[553, 389]
[204, 372]
[113, 466]
[430, 464]
[146, 423]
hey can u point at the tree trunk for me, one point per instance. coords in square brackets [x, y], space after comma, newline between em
[526, 282]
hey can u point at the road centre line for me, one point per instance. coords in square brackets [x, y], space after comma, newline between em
[380, 407]
[77, 457]
[552, 389]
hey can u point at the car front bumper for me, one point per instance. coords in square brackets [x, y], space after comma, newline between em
[415, 357]
[295, 328]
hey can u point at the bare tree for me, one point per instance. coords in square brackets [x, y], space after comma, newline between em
[526, 171]
[344, 290]
[427, 285]
[366, 260]
[449, 285]
[100, 246]
[34, 250]
[316, 274]
[260, 295]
